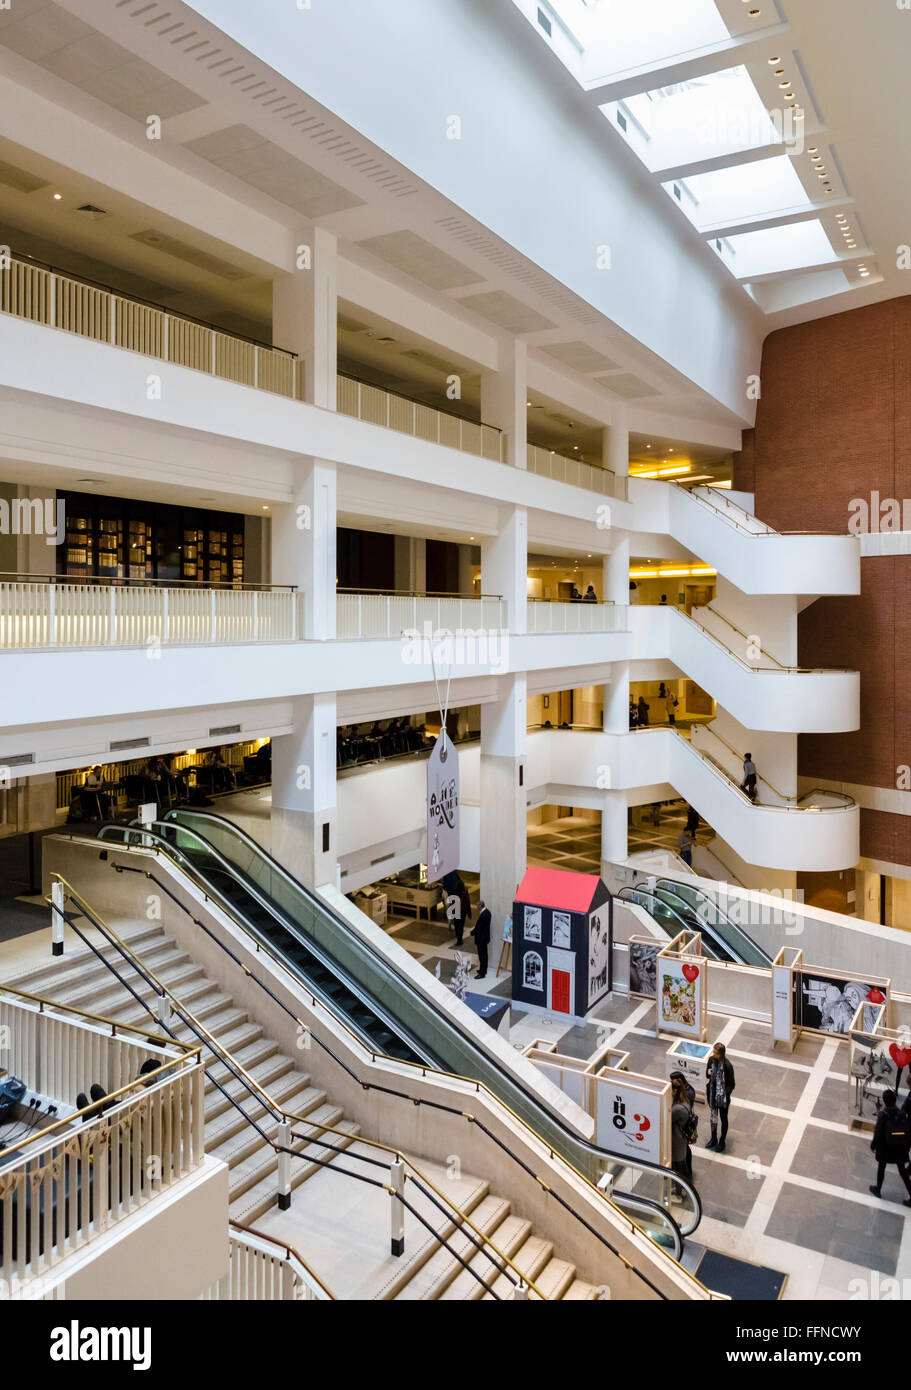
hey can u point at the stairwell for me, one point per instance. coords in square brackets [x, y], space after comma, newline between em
[429, 1270]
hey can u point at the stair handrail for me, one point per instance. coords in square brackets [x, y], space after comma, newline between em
[792, 670]
[784, 796]
[705, 497]
[479, 1086]
[291, 1255]
[265, 1099]
[282, 872]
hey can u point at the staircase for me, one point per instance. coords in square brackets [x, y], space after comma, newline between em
[428, 1270]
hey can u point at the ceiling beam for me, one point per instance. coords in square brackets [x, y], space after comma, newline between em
[773, 219]
[732, 52]
[845, 262]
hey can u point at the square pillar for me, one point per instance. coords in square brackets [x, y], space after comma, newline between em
[615, 443]
[614, 846]
[503, 801]
[504, 400]
[616, 571]
[304, 829]
[504, 564]
[616, 699]
[410, 563]
[304, 546]
[305, 314]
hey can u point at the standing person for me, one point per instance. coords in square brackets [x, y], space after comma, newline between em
[590, 596]
[633, 714]
[685, 847]
[719, 1087]
[692, 820]
[891, 1143]
[681, 1115]
[643, 712]
[481, 934]
[748, 784]
[670, 704]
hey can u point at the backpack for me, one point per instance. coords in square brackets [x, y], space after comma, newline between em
[898, 1132]
[691, 1127]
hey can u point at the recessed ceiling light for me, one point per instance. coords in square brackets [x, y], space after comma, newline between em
[814, 149]
[782, 85]
[754, 14]
[265, 509]
[788, 96]
[773, 61]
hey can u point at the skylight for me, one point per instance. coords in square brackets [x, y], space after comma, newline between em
[622, 34]
[775, 249]
[745, 191]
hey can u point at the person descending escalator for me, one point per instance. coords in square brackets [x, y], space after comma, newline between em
[748, 784]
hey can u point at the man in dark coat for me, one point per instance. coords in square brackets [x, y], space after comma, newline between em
[891, 1144]
[481, 934]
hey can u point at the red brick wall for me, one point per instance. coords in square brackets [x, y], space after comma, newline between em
[834, 423]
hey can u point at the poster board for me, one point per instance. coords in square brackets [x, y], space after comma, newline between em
[827, 1001]
[879, 1061]
[643, 966]
[682, 977]
[632, 1115]
[788, 960]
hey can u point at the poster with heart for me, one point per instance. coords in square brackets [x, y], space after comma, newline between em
[681, 986]
[877, 1064]
[827, 1002]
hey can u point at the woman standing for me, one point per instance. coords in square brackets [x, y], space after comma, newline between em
[719, 1087]
[681, 1111]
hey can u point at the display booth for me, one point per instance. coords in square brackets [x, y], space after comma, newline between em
[632, 1112]
[562, 928]
[880, 1061]
[690, 1058]
[643, 954]
[681, 987]
[784, 967]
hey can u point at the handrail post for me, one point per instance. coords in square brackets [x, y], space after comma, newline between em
[112, 617]
[397, 1181]
[165, 618]
[520, 1291]
[51, 614]
[212, 593]
[112, 325]
[284, 1165]
[163, 1008]
[255, 615]
[57, 920]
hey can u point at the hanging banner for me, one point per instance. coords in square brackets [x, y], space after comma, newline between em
[443, 845]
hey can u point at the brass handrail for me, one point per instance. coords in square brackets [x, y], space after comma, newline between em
[479, 1087]
[264, 1096]
[784, 796]
[102, 581]
[96, 1018]
[288, 1249]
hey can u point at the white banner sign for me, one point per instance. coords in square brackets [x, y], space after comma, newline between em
[443, 847]
[628, 1121]
[781, 1003]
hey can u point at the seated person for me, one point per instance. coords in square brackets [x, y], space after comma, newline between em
[96, 804]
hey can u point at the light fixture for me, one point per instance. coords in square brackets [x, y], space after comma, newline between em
[773, 61]
[782, 85]
[788, 96]
[813, 149]
[265, 509]
[754, 14]
[57, 197]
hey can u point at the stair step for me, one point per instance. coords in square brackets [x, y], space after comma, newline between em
[294, 1094]
[579, 1291]
[248, 1173]
[431, 1278]
[555, 1278]
[249, 1055]
[509, 1237]
[530, 1259]
[258, 1198]
[267, 1073]
[81, 960]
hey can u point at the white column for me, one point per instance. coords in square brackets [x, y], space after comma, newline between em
[504, 400]
[616, 699]
[305, 313]
[304, 827]
[503, 801]
[504, 564]
[616, 443]
[616, 570]
[303, 546]
[613, 828]
[411, 564]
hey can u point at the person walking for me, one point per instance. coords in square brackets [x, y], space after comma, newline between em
[685, 847]
[481, 934]
[748, 784]
[891, 1143]
[681, 1116]
[692, 820]
[719, 1087]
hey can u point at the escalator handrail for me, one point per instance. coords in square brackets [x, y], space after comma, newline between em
[673, 885]
[291, 927]
[514, 1081]
[616, 1200]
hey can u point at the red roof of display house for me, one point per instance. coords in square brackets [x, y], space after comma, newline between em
[558, 888]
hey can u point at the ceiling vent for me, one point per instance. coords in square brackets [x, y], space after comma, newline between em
[17, 760]
[23, 182]
[120, 745]
[224, 731]
[93, 214]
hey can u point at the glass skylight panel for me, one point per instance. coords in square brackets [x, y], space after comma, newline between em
[776, 249]
[718, 114]
[622, 34]
[761, 188]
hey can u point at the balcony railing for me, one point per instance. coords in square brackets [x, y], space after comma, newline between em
[378, 407]
[548, 464]
[265, 1269]
[69, 1180]
[40, 612]
[547, 617]
[46, 296]
[379, 615]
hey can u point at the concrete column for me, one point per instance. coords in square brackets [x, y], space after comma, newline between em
[305, 314]
[468, 559]
[411, 564]
[503, 802]
[304, 831]
[616, 699]
[303, 546]
[504, 564]
[504, 400]
[615, 443]
[616, 572]
[614, 847]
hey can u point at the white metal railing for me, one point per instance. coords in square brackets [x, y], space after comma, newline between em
[45, 296]
[545, 617]
[42, 613]
[378, 407]
[67, 1182]
[265, 1270]
[548, 464]
[392, 615]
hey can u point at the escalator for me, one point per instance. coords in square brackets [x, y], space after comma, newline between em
[363, 987]
[677, 906]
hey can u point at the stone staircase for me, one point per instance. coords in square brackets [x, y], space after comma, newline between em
[429, 1270]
